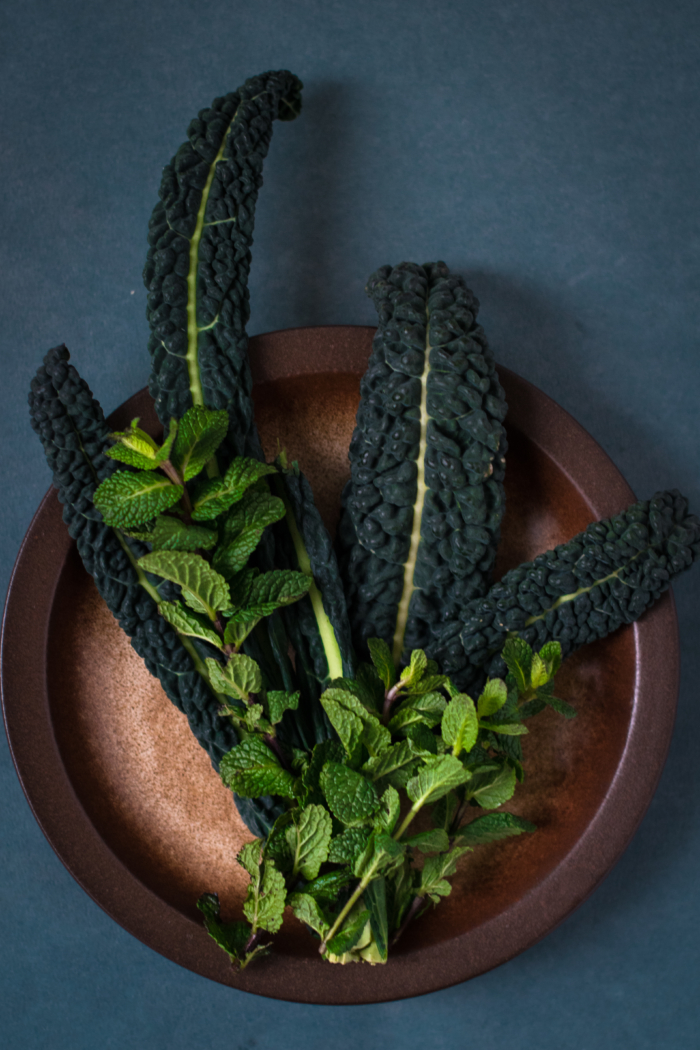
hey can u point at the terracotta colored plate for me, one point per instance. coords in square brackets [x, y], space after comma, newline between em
[132, 807]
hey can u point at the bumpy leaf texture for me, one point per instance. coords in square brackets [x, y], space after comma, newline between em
[199, 257]
[423, 508]
[582, 590]
[74, 433]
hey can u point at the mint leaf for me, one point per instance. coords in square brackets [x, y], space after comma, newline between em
[550, 654]
[239, 677]
[307, 910]
[326, 887]
[215, 496]
[517, 655]
[493, 789]
[199, 434]
[135, 447]
[263, 906]
[278, 702]
[270, 591]
[374, 899]
[254, 511]
[351, 797]
[560, 706]
[388, 813]
[347, 937]
[493, 697]
[423, 709]
[437, 776]
[492, 827]
[172, 534]
[127, 499]
[326, 751]
[231, 559]
[124, 454]
[202, 588]
[443, 812]
[231, 936]
[434, 841]
[460, 724]
[251, 769]
[380, 854]
[437, 870]
[188, 623]
[308, 838]
[166, 448]
[412, 674]
[354, 723]
[394, 766]
[506, 728]
[346, 848]
[382, 660]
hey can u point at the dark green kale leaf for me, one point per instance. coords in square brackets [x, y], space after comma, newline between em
[198, 261]
[423, 508]
[606, 576]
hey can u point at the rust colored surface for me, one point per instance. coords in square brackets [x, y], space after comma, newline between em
[129, 800]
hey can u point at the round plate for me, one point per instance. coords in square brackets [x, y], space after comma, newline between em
[132, 807]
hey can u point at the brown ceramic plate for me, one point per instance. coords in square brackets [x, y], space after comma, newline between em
[132, 807]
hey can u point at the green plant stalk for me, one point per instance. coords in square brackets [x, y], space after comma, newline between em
[325, 628]
[361, 887]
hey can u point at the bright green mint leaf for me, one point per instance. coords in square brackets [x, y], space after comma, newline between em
[326, 751]
[346, 848]
[199, 434]
[422, 740]
[239, 677]
[425, 709]
[215, 496]
[374, 899]
[381, 854]
[354, 722]
[506, 728]
[124, 454]
[493, 789]
[412, 674]
[435, 778]
[351, 797]
[437, 870]
[196, 577]
[255, 510]
[388, 813]
[517, 655]
[394, 766]
[493, 697]
[460, 724]
[382, 660]
[251, 769]
[550, 654]
[172, 534]
[126, 499]
[538, 672]
[308, 838]
[492, 827]
[231, 559]
[349, 935]
[560, 706]
[278, 702]
[434, 841]
[429, 683]
[231, 936]
[236, 633]
[307, 910]
[167, 446]
[264, 903]
[188, 623]
[269, 591]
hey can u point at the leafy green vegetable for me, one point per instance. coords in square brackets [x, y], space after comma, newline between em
[203, 589]
[307, 909]
[128, 499]
[199, 434]
[173, 534]
[251, 769]
[460, 724]
[264, 903]
[188, 623]
[308, 837]
[238, 678]
[215, 496]
[351, 797]
[492, 827]
[425, 500]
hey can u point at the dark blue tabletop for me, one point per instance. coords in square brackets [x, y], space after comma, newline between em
[550, 153]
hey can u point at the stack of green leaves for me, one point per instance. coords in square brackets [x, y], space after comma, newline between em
[344, 856]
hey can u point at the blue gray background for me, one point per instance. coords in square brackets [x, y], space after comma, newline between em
[549, 152]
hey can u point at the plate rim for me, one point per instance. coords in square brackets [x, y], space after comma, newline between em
[161, 926]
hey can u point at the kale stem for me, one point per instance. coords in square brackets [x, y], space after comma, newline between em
[416, 906]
